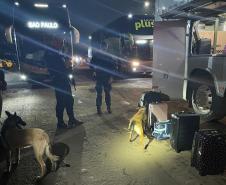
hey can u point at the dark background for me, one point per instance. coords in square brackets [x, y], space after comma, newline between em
[88, 15]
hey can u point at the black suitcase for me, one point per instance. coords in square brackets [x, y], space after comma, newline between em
[184, 127]
[209, 152]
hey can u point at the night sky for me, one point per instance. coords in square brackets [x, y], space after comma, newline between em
[88, 15]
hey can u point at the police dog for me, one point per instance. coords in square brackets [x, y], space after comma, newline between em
[4, 147]
[137, 124]
[16, 138]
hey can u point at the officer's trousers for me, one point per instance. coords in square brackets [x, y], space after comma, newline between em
[64, 100]
[106, 86]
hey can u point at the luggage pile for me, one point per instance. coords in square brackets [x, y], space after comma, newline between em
[209, 152]
[162, 130]
[182, 128]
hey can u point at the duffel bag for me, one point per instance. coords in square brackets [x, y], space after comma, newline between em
[152, 97]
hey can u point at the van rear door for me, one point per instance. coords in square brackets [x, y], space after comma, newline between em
[169, 57]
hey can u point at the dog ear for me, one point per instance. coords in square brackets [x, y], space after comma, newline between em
[8, 113]
[15, 114]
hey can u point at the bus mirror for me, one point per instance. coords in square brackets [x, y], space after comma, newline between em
[131, 39]
[8, 34]
[75, 35]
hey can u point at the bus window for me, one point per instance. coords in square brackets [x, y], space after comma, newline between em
[113, 45]
[144, 49]
[127, 48]
[141, 49]
[37, 55]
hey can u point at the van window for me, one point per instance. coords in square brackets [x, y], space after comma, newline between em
[206, 31]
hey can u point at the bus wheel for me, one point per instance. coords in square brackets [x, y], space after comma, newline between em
[205, 101]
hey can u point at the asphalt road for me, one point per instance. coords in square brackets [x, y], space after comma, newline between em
[99, 152]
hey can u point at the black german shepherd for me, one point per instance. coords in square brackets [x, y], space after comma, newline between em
[6, 151]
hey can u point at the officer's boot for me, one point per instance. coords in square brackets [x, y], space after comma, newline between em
[109, 109]
[61, 124]
[99, 111]
[73, 122]
[60, 114]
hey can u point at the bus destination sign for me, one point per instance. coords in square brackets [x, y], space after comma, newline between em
[42, 25]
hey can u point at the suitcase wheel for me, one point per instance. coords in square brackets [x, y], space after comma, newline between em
[201, 173]
[192, 163]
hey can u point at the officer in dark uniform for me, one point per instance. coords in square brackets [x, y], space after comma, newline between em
[3, 86]
[61, 82]
[103, 67]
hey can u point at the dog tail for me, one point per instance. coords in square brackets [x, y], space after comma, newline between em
[50, 155]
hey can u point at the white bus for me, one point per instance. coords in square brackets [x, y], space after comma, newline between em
[32, 26]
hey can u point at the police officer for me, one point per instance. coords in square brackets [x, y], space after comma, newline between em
[103, 69]
[3, 86]
[61, 82]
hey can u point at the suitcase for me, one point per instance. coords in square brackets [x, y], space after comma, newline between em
[209, 152]
[184, 126]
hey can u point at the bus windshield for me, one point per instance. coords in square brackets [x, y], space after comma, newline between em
[141, 49]
[33, 34]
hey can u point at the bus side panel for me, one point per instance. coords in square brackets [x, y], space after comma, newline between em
[169, 57]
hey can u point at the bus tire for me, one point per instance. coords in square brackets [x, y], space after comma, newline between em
[205, 101]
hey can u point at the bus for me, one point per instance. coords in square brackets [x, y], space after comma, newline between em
[7, 54]
[130, 42]
[190, 56]
[32, 26]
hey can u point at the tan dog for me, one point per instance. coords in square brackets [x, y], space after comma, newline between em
[17, 138]
[137, 123]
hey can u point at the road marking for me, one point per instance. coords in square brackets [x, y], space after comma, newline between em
[125, 102]
[84, 170]
[80, 102]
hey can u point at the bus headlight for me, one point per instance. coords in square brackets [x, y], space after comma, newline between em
[23, 77]
[135, 63]
[77, 59]
[70, 76]
[141, 42]
[134, 69]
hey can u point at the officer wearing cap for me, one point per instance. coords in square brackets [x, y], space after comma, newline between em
[103, 66]
[59, 72]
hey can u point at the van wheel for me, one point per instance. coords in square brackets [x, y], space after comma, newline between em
[205, 101]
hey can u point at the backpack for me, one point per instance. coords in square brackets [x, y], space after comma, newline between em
[152, 97]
